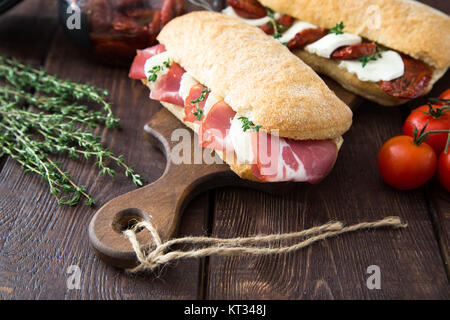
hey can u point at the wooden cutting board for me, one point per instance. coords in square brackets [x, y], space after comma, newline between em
[164, 200]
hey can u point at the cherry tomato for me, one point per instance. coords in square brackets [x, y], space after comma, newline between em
[443, 99]
[405, 165]
[445, 95]
[437, 117]
[444, 170]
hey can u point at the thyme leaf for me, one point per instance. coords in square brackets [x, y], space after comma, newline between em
[278, 28]
[365, 59]
[198, 112]
[248, 125]
[338, 28]
[153, 73]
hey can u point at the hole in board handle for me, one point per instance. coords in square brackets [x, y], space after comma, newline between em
[127, 219]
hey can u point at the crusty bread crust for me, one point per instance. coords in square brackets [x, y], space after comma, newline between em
[405, 25]
[254, 73]
[366, 89]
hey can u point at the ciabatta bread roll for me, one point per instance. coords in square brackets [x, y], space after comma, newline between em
[391, 51]
[218, 74]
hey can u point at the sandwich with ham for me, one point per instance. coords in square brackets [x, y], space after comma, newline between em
[260, 108]
[388, 51]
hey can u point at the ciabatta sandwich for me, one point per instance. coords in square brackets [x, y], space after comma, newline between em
[388, 51]
[263, 111]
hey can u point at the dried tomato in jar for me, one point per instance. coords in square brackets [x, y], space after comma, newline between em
[114, 29]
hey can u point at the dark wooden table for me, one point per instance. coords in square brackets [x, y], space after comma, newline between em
[39, 240]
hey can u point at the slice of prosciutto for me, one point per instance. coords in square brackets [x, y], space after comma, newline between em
[137, 67]
[189, 108]
[215, 127]
[284, 159]
[167, 86]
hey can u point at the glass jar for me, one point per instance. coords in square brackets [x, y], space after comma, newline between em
[112, 30]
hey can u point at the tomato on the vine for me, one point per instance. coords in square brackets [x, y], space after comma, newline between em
[444, 96]
[444, 170]
[405, 164]
[434, 117]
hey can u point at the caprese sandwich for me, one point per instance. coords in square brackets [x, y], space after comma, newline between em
[259, 107]
[388, 51]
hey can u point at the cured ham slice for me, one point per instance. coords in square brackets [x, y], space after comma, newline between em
[167, 86]
[283, 159]
[215, 127]
[195, 94]
[137, 68]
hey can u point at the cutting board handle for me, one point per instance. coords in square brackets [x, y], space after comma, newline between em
[162, 201]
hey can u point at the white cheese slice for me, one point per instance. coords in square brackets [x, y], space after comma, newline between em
[229, 11]
[210, 101]
[187, 82]
[297, 27]
[325, 46]
[157, 60]
[389, 67]
[242, 141]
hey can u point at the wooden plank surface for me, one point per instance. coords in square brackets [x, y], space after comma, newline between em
[39, 240]
[412, 262]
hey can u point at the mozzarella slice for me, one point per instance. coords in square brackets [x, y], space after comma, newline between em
[389, 67]
[210, 101]
[325, 46]
[242, 141]
[297, 27]
[187, 82]
[229, 11]
[157, 60]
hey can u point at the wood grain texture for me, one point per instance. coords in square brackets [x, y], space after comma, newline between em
[411, 266]
[39, 240]
[410, 260]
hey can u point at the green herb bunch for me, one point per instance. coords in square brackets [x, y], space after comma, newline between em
[56, 123]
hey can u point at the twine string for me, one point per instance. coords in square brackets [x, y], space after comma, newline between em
[152, 256]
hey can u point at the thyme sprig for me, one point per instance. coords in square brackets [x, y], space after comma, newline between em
[153, 73]
[365, 59]
[338, 28]
[57, 123]
[202, 96]
[278, 28]
[198, 112]
[248, 125]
